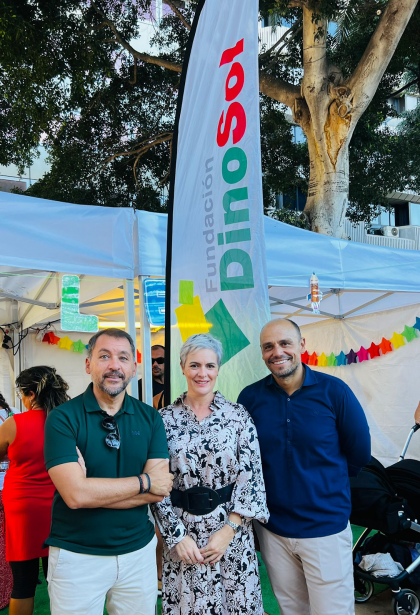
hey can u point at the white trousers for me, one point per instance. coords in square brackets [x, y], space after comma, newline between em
[310, 576]
[78, 584]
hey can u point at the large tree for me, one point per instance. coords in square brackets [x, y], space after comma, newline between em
[73, 75]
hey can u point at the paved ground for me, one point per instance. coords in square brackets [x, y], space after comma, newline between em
[378, 605]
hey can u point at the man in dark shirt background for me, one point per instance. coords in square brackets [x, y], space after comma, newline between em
[313, 435]
[158, 374]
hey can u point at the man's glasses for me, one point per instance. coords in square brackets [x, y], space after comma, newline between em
[159, 360]
[113, 439]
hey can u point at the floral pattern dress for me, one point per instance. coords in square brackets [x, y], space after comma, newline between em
[215, 452]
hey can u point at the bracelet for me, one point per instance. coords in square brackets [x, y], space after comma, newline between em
[149, 483]
[141, 484]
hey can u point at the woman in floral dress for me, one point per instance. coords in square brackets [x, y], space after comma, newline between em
[210, 566]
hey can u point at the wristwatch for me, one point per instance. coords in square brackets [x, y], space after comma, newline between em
[234, 526]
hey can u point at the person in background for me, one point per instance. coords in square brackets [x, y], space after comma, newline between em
[6, 579]
[313, 435]
[5, 409]
[28, 490]
[210, 563]
[158, 375]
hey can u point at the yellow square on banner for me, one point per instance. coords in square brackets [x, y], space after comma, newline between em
[191, 319]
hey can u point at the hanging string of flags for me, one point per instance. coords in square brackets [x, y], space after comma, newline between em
[364, 354]
[65, 343]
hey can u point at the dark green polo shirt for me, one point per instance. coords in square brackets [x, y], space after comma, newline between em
[102, 531]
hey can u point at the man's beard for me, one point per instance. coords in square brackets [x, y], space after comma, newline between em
[113, 392]
[287, 373]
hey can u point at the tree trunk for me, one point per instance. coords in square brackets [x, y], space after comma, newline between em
[328, 144]
[324, 113]
[328, 188]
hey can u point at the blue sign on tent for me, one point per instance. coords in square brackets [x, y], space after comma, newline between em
[154, 298]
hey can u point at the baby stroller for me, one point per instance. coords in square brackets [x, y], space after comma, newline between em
[388, 500]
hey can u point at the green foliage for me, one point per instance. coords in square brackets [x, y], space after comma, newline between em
[289, 216]
[65, 80]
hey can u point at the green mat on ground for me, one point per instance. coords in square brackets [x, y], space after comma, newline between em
[270, 603]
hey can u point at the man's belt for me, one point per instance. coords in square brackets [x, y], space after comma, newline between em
[201, 500]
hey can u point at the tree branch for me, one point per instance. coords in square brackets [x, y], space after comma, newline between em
[278, 89]
[404, 87]
[276, 55]
[144, 57]
[281, 39]
[140, 149]
[179, 14]
[379, 52]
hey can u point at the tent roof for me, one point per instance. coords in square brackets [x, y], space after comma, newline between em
[53, 236]
[45, 236]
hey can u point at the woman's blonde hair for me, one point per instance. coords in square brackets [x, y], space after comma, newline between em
[201, 341]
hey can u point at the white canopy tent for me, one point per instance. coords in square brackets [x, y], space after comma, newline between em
[368, 292]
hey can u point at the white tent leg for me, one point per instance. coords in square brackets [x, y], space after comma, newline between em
[146, 344]
[130, 327]
[16, 358]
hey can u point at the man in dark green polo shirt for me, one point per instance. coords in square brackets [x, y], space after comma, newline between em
[107, 455]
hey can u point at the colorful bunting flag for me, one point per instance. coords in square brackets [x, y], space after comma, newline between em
[409, 333]
[385, 346]
[362, 354]
[305, 357]
[313, 359]
[417, 325]
[66, 343]
[322, 360]
[341, 359]
[78, 346]
[373, 351]
[397, 340]
[351, 357]
[331, 360]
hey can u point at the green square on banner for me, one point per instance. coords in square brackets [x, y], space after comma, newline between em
[225, 329]
[186, 292]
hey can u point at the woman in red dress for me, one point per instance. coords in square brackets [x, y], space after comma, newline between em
[28, 491]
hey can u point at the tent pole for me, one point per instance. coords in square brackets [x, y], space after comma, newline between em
[146, 344]
[16, 357]
[130, 327]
